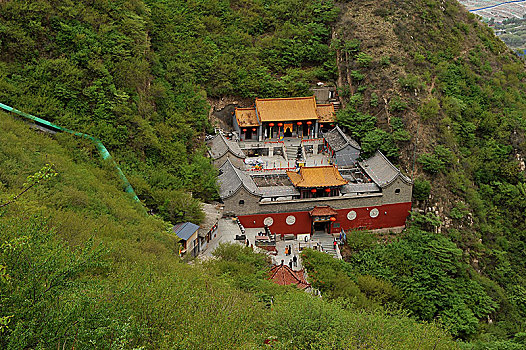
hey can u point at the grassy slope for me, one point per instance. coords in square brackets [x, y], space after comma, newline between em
[138, 293]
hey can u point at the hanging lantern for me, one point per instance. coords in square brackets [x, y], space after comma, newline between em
[244, 130]
[309, 123]
[271, 124]
[333, 219]
[299, 123]
[321, 125]
[253, 129]
[327, 190]
[280, 124]
[313, 190]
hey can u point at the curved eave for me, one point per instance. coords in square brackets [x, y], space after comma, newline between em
[404, 178]
[242, 156]
[241, 185]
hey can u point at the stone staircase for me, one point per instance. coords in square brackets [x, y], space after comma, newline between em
[326, 241]
[291, 152]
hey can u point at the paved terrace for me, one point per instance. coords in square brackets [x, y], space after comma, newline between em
[286, 159]
[228, 229]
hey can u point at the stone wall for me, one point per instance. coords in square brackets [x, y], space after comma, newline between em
[234, 208]
[392, 195]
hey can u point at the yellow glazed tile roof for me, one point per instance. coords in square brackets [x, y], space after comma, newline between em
[246, 117]
[326, 113]
[286, 109]
[321, 176]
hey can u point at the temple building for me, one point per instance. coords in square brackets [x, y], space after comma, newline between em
[296, 172]
[375, 195]
[277, 118]
[321, 181]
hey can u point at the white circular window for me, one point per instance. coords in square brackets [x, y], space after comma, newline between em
[374, 213]
[291, 220]
[268, 221]
[351, 215]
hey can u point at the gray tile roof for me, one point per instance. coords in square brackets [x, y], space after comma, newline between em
[185, 230]
[337, 139]
[347, 156]
[231, 179]
[219, 145]
[381, 170]
[278, 191]
[212, 215]
[360, 188]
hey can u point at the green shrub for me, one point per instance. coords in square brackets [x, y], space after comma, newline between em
[385, 61]
[411, 82]
[421, 189]
[363, 59]
[358, 124]
[352, 46]
[356, 75]
[378, 139]
[459, 211]
[431, 163]
[374, 100]
[397, 104]
[378, 290]
[444, 154]
[429, 109]
[428, 221]
[359, 240]
[419, 58]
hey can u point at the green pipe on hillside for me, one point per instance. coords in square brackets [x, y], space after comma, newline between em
[98, 144]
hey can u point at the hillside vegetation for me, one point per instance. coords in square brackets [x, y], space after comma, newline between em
[136, 74]
[435, 90]
[423, 81]
[81, 266]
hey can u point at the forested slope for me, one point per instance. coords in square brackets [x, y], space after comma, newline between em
[81, 266]
[136, 74]
[436, 91]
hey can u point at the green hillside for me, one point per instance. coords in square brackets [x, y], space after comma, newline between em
[136, 75]
[422, 80]
[436, 91]
[82, 267]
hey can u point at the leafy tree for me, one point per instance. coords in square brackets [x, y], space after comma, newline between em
[363, 59]
[397, 104]
[429, 270]
[421, 189]
[431, 163]
[379, 140]
[357, 123]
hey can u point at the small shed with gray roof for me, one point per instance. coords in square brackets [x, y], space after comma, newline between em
[344, 149]
[187, 232]
[222, 149]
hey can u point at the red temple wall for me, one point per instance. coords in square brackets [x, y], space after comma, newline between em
[390, 215]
